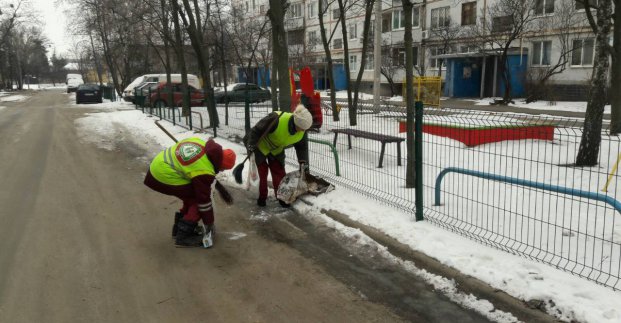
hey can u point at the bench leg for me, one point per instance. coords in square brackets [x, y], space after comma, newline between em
[349, 141]
[398, 153]
[336, 134]
[382, 155]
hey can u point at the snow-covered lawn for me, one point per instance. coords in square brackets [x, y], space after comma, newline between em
[541, 225]
[568, 106]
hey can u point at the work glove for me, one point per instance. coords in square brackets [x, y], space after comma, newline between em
[304, 167]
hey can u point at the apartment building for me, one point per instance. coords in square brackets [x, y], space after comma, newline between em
[446, 42]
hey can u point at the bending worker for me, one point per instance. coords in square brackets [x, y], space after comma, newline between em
[187, 170]
[268, 140]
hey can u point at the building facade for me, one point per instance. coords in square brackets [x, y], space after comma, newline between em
[460, 41]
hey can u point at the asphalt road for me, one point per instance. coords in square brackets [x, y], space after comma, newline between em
[83, 240]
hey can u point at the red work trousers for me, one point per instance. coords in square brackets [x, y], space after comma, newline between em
[186, 194]
[278, 172]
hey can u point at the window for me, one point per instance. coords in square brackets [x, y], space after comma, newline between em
[415, 55]
[440, 17]
[246, 6]
[337, 43]
[541, 53]
[312, 37]
[386, 24]
[398, 57]
[336, 13]
[353, 62]
[582, 54]
[415, 17]
[469, 13]
[295, 11]
[398, 18]
[254, 5]
[353, 31]
[502, 24]
[433, 62]
[312, 9]
[371, 29]
[369, 62]
[467, 49]
[580, 3]
[544, 7]
[262, 9]
[324, 6]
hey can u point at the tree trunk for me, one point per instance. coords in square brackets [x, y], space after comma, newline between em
[352, 108]
[409, 75]
[276, 15]
[179, 49]
[588, 152]
[365, 45]
[615, 82]
[330, 71]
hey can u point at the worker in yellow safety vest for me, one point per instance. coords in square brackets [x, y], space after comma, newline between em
[187, 170]
[268, 140]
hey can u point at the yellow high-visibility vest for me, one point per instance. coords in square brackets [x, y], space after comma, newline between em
[178, 164]
[277, 141]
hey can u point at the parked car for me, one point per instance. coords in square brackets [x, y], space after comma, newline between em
[236, 92]
[128, 93]
[72, 84]
[159, 95]
[88, 93]
[72, 76]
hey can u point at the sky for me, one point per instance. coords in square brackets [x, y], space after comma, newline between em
[54, 25]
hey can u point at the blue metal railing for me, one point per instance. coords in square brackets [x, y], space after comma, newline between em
[554, 188]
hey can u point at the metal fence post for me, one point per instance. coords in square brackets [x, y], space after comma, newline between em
[246, 113]
[418, 159]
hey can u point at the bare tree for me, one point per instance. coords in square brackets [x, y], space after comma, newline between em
[591, 134]
[390, 67]
[445, 38]
[615, 77]
[368, 6]
[276, 14]
[563, 24]
[326, 40]
[505, 22]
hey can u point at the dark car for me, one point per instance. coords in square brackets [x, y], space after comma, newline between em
[160, 95]
[88, 93]
[237, 93]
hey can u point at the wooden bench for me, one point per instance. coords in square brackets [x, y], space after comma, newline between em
[384, 139]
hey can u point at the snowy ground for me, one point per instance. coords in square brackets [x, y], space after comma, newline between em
[568, 297]
[568, 106]
[9, 97]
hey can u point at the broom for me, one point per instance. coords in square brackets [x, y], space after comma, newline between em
[222, 191]
[237, 171]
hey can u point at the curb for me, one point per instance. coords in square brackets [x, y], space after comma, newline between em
[467, 284]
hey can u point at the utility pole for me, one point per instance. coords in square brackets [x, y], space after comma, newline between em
[377, 54]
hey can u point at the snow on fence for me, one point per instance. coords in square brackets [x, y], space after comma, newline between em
[576, 234]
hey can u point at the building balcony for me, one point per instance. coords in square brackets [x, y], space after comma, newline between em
[294, 23]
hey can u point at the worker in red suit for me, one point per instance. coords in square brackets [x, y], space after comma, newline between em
[187, 170]
[268, 140]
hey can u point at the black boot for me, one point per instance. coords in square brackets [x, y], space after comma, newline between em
[178, 216]
[186, 236]
[261, 202]
[284, 204]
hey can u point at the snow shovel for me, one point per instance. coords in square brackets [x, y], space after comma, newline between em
[298, 183]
